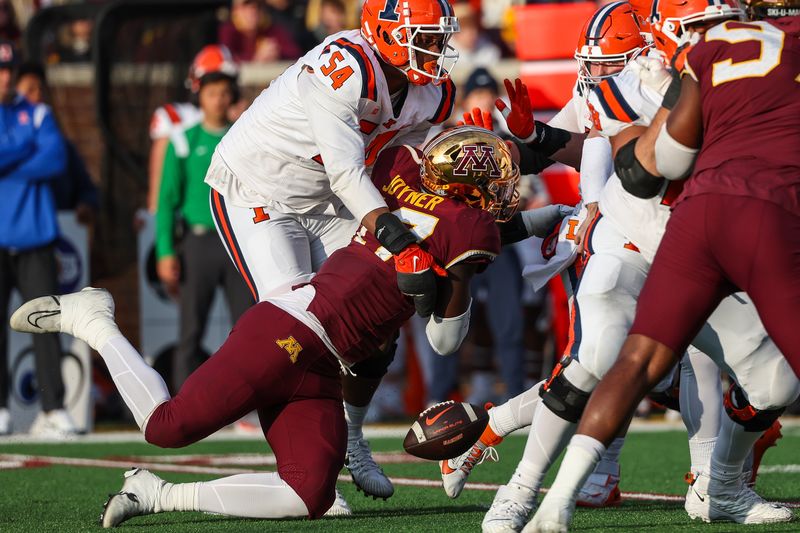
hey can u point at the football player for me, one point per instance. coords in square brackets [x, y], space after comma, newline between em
[283, 357]
[685, 284]
[170, 121]
[291, 179]
[607, 42]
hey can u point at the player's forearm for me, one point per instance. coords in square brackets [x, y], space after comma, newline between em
[645, 146]
[596, 166]
[557, 145]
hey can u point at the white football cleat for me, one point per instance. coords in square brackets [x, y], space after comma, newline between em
[87, 315]
[339, 507]
[554, 515]
[602, 487]
[712, 500]
[140, 495]
[510, 509]
[55, 424]
[368, 477]
[456, 471]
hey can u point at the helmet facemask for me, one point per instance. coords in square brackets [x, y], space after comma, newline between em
[430, 56]
[587, 80]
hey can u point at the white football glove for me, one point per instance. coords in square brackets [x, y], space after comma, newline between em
[653, 73]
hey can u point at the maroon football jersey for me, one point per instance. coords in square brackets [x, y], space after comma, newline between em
[749, 77]
[357, 300]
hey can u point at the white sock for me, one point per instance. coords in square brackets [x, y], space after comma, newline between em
[263, 495]
[141, 387]
[700, 451]
[731, 450]
[700, 399]
[178, 497]
[548, 436]
[583, 454]
[613, 451]
[516, 413]
[355, 421]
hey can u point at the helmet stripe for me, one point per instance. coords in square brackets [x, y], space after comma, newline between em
[597, 21]
[447, 10]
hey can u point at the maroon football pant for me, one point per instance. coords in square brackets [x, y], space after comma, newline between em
[273, 364]
[715, 245]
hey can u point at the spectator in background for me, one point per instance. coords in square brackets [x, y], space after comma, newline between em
[9, 30]
[74, 190]
[74, 43]
[291, 15]
[251, 35]
[170, 121]
[184, 195]
[474, 47]
[32, 153]
[327, 17]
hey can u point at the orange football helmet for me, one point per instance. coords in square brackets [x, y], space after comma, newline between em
[670, 19]
[412, 35]
[212, 58]
[611, 35]
[642, 9]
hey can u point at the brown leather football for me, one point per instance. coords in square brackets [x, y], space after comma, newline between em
[445, 430]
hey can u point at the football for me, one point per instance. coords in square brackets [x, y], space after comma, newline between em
[445, 430]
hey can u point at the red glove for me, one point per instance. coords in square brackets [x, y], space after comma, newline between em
[416, 277]
[480, 118]
[519, 117]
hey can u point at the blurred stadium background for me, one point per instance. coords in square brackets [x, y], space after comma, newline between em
[110, 64]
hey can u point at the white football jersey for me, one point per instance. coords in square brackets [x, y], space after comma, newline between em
[170, 121]
[308, 142]
[616, 104]
[574, 116]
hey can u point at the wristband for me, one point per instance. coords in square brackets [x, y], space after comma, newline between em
[393, 234]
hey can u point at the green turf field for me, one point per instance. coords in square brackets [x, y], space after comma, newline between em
[44, 497]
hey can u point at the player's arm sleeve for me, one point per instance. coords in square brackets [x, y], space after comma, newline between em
[597, 164]
[169, 197]
[445, 335]
[413, 137]
[49, 158]
[567, 119]
[335, 128]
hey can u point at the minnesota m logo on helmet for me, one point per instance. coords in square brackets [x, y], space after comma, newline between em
[471, 161]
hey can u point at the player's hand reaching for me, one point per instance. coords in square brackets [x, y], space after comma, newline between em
[416, 277]
[416, 268]
[580, 236]
[479, 118]
[519, 117]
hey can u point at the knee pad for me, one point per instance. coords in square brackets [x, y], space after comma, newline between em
[562, 397]
[740, 411]
[376, 366]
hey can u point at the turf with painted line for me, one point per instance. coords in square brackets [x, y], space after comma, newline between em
[69, 498]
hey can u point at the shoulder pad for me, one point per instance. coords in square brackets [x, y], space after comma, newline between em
[622, 101]
[345, 68]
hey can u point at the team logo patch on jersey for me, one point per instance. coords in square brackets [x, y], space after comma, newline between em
[291, 346]
[471, 160]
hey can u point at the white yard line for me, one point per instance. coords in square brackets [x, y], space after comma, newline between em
[33, 461]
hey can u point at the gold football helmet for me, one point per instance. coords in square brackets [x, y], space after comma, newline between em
[472, 165]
